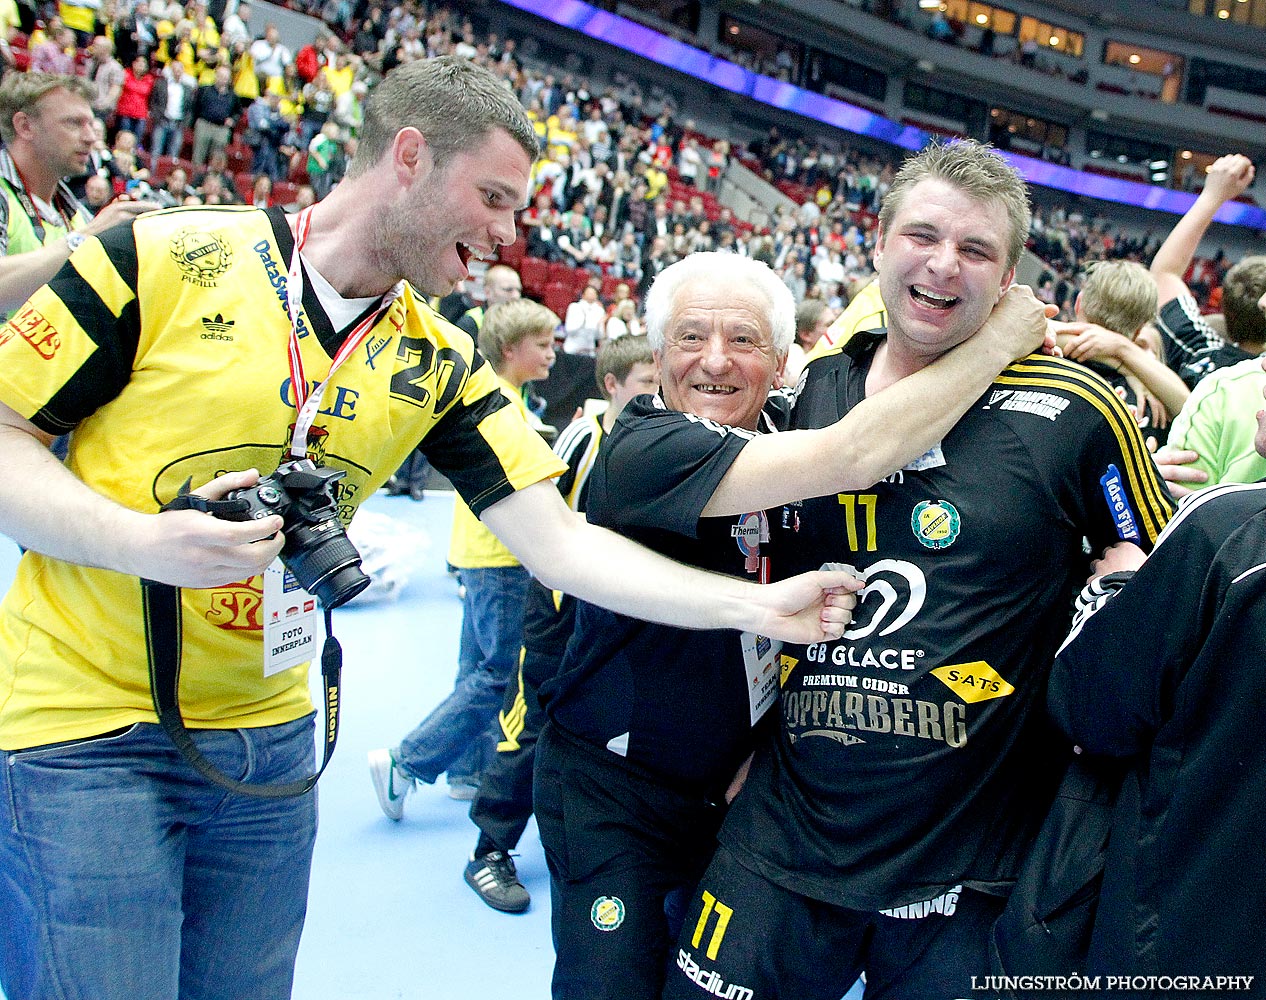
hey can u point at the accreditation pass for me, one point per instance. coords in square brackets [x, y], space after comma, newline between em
[290, 621]
[760, 661]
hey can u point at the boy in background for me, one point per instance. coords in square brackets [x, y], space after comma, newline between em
[625, 368]
[518, 340]
[1114, 310]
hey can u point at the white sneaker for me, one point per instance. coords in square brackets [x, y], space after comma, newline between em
[390, 782]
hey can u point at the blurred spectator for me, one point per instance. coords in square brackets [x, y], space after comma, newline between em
[584, 323]
[265, 130]
[262, 192]
[236, 26]
[813, 317]
[318, 104]
[135, 34]
[627, 261]
[543, 224]
[269, 56]
[215, 113]
[349, 108]
[97, 193]
[125, 167]
[57, 55]
[106, 76]
[132, 108]
[326, 161]
[660, 257]
[213, 191]
[170, 109]
[623, 321]
[175, 189]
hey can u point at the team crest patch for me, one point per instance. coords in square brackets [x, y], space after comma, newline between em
[201, 257]
[607, 913]
[935, 523]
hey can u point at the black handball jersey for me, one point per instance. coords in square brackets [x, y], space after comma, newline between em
[1169, 675]
[914, 754]
[549, 615]
[673, 703]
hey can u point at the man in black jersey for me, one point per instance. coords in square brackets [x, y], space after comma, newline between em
[648, 725]
[1163, 671]
[879, 832]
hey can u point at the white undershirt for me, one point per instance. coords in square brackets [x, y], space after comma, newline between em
[341, 311]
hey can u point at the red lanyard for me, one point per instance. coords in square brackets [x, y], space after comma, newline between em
[309, 403]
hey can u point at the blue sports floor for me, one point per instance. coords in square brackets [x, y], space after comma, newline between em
[389, 914]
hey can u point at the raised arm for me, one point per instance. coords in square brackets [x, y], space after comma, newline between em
[44, 507]
[1228, 177]
[566, 553]
[887, 430]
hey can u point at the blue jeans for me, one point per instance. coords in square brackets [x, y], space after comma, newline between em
[134, 125]
[459, 735]
[124, 875]
[167, 139]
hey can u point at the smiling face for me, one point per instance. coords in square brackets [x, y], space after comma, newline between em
[942, 268]
[718, 360]
[447, 214]
[530, 359]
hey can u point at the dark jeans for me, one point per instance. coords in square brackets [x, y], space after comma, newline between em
[457, 736]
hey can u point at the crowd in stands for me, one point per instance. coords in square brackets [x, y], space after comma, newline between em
[199, 111]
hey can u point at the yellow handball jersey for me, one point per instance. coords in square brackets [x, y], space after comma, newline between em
[163, 345]
[865, 312]
[470, 544]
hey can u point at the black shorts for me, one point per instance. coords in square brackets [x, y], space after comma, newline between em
[622, 851]
[746, 938]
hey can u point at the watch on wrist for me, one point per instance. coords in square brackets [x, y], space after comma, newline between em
[75, 240]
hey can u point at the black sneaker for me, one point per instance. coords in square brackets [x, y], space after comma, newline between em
[494, 878]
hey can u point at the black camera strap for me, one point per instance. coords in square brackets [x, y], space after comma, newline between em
[160, 603]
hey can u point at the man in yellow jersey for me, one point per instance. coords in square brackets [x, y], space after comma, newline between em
[46, 124]
[171, 351]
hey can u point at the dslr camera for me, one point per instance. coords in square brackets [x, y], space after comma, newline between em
[317, 550]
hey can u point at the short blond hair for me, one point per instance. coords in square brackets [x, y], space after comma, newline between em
[23, 91]
[507, 323]
[1120, 295]
[974, 168]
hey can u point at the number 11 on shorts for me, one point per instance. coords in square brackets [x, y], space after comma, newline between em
[723, 912]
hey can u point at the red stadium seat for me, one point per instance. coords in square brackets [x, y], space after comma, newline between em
[557, 298]
[534, 273]
[609, 284]
[560, 274]
[240, 157]
[244, 181]
[511, 255]
[580, 277]
[162, 167]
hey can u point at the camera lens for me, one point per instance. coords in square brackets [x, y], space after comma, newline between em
[325, 562]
